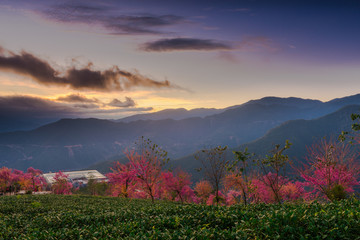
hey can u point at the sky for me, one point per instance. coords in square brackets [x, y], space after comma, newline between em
[110, 59]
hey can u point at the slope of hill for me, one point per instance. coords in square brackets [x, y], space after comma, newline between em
[9, 124]
[77, 143]
[301, 133]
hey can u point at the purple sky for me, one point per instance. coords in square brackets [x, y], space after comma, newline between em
[111, 59]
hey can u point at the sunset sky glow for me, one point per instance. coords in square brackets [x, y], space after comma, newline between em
[111, 59]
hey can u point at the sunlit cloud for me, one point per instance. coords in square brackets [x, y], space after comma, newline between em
[71, 98]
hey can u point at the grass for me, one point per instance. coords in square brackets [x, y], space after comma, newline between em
[88, 217]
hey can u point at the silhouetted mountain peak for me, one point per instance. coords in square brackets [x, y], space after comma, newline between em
[354, 99]
[289, 101]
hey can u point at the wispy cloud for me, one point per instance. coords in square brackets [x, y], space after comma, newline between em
[113, 21]
[227, 56]
[112, 79]
[256, 43]
[81, 101]
[184, 44]
[86, 106]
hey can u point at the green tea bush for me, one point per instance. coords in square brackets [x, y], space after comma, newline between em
[94, 217]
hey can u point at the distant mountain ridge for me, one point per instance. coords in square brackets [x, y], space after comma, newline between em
[77, 143]
[182, 113]
[175, 114]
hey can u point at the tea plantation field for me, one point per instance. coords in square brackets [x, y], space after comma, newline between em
[86, 217]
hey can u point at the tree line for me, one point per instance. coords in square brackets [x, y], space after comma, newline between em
[330, 173]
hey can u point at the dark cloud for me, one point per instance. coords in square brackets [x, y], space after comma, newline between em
[251, 43]
[78, 98]
[122, 104]
[33, 107]
[112, 21]
[112, 79]
[183, 44]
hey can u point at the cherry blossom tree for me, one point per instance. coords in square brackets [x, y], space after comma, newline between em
[293, 191]
[216, 199]
[331, 167]
[61, 184]
[273, 171]
[235, 182]
[147, 164]
[122, 180]
[36, 179]
[147, 173]
[5, 179]
[16, 178]
[177, 184]
[239, 178]
[203, 190]
[232, 197]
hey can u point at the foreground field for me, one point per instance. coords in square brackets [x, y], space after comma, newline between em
[86, 217]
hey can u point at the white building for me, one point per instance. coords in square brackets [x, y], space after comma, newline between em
[77, 177]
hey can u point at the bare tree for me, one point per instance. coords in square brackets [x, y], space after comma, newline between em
[240, 173]
[214, 164]
[273, 170]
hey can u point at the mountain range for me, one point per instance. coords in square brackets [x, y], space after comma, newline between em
[70, 144]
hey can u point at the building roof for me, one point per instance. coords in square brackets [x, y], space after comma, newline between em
[76, 176]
